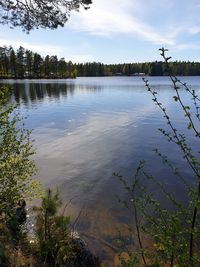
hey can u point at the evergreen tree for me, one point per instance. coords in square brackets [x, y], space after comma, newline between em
[20, 62]
[35, 14]
[37, 65]
[29, 63]
[54, 243]
[13, 64]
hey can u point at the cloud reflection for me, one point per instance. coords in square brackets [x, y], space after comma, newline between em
[93, 146]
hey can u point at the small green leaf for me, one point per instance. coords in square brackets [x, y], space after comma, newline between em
[175, 98]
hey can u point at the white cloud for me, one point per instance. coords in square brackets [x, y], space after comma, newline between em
[81, 58]
[40, 48]
[188, 46]
[46, 49]
[163, 22]
[117, 17]
[194, 30]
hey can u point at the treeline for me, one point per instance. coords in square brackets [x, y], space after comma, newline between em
[157, 68]
[24, 63]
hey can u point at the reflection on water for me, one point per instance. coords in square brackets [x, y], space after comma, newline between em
[29, 93]
[36, 92]
[88, 128]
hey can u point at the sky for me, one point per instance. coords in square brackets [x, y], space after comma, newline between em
[118, 31]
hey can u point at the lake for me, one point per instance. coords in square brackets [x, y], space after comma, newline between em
[86, 129]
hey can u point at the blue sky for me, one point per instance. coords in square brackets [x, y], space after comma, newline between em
[116, 31]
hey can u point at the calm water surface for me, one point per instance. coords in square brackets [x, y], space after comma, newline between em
[88, 128]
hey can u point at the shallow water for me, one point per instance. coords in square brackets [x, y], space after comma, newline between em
[88, 128]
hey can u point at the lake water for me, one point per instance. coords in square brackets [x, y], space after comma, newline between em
[88, 128]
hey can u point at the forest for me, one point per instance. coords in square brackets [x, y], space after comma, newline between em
[23, 63]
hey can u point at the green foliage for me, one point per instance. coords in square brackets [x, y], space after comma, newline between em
[52, 235]
[16, 169]
[16, 164]
[35, 14]
[174, 231]
[133, 260]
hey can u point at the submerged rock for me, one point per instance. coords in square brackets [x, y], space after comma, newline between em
[82, 255]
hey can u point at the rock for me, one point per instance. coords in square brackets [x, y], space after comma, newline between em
[82, 255]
